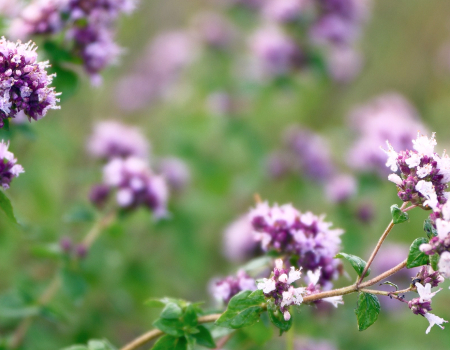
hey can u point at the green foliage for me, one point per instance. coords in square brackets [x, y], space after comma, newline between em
[6, 207]
[179, 320]
[277, 318]
[93, 345]
[357, 263]
[429, 228]
[398, 216]
[367, 310]
[415, 256]
[73, 283]
[243, 310]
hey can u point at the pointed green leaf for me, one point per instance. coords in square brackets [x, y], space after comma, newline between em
[398, 216]
[190, 317]
[204, 338]
[100, 345]
[367, 310]
[168, 342]
[6, 207]
[277, 318]
[415, 256]
[172, 327]
[244, 309]
[357, 263]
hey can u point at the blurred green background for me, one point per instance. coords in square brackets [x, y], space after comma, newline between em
[137, 258]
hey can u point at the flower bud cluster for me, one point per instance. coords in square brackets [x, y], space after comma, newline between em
[303, 237]
[427, 275]
[24, 82]
[76, 250]
[224, 289]
[422, 305]
[127, 172]
[423, 173]
[9, 168]
[279, 289]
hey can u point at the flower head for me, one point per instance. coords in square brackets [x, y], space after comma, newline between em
[224, 289]
[24, 82]
[9, 168]
[434, 320]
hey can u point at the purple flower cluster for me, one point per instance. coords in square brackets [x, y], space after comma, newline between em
[213, 30]
[224, 289]
[127, 172]
[386, 117]
[423, 173]
[293, 29]
[176, 173]
[278, 288]
[24, 82]
[9, 168]
[88, 26]
[155, 73]
[302, 236]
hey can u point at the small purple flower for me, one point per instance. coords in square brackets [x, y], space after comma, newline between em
[238, 240]
[176, 172]
[66, 244]
[311, 152]
[275, 52]
[340, 188]
[284, 11]
[99, 195]
[8, 167]
[136, 185]
[24, 82]
[39, 17]
[224, 289]
[213, 30]
[113, 139]
[344, 63]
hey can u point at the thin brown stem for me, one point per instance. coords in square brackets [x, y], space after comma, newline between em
[378, 246]
[221, 343]
[410, 207]
[55, 284]
[155, 333]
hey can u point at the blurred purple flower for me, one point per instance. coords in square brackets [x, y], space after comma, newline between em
[176, 173]
[9, 168]
[278, 164]
[24, 82]
[213, 30]
[313, 344]
[224, 289]
[311, 152]
[113, 139]
[38, 17]
[284, 10]
[136, 185]
[156, 71]
[344, 63]
[386, 117]
[239, 243]
[340, 188]
[275, 53]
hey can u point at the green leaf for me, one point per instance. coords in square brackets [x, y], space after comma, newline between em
[6, 207]
[190, 317]
[398, 216]
[391, 284]
[257, 263]
[100, 345]
[204, 338]
[14, 304]
[434, 260]
[77, 347]
[415, 256]
[277, 318]
[357, 263]
[367, 310]
[73, 284]
[244, 309]
[171, 310]
[172, 327]
[66, 81]
[168, 342]
[58, 54]
[429, 229]
[155, 303]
